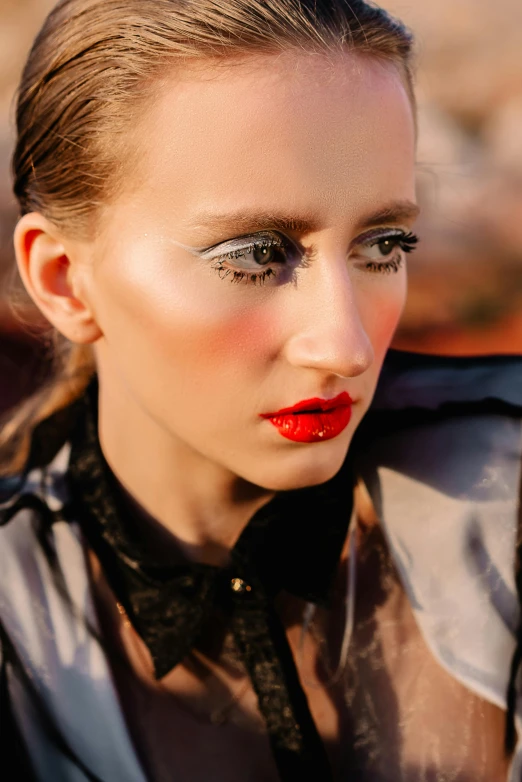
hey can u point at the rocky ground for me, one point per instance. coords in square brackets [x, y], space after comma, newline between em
[466, 283]
[466, 279]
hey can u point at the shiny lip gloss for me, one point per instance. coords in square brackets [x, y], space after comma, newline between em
[313, 420]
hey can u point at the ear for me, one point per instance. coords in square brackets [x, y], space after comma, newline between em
[51, 271]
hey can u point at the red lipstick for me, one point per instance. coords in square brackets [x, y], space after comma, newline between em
[313, 420]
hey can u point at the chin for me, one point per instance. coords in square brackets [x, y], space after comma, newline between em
[312, 467]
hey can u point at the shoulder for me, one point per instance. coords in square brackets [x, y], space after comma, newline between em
[31, 505]
[31, 508]
[452, 424]
[42, 481]
[449, 423]
[441, 455]
[42, 566]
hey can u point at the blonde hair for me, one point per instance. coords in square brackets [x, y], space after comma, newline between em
[93, 66]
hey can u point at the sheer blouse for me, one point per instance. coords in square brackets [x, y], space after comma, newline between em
[440, 455]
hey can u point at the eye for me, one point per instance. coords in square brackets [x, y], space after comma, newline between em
[385, 251]
[254, 258]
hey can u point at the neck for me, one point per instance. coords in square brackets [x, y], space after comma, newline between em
[178, 501]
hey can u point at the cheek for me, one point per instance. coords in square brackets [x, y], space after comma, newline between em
[234, 341]
[381, 314]
[173, 319]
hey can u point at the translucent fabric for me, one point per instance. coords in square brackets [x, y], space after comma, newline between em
[443, 467]
[422, 696]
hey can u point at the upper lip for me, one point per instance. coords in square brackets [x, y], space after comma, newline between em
[316, 404]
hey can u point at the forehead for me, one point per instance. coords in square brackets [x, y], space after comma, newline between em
[307, 132]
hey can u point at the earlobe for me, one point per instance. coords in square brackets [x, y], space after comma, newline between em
[48, 269]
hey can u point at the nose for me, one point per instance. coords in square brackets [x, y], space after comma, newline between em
[328, 333]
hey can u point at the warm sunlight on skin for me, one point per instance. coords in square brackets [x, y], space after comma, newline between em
[189, 357]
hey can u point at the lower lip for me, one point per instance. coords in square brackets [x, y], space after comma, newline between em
[314, 427]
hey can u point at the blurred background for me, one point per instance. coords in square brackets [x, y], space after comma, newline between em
[466, 277]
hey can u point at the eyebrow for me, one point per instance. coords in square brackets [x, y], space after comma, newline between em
[397, 212]
[245, 222]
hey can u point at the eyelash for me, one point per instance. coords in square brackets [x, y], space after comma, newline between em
[248, 276]
[406, 242]
[237, 276]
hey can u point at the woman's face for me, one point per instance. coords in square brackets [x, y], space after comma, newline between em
[298, 172]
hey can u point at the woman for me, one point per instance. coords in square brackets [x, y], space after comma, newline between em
[217, 201]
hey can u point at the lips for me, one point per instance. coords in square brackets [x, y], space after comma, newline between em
[313, 420]
[315, 405]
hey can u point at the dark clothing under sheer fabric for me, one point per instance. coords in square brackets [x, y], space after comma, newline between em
[170, 606]
[293, 544]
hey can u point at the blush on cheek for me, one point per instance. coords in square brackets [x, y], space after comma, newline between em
[170, 313]
[247, 335]
[388, 313]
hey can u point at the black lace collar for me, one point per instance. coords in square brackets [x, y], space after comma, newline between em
[293, 543]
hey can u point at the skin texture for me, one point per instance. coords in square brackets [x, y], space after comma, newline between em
[187, 360]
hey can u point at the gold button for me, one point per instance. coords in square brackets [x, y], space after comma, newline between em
[238, 585]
